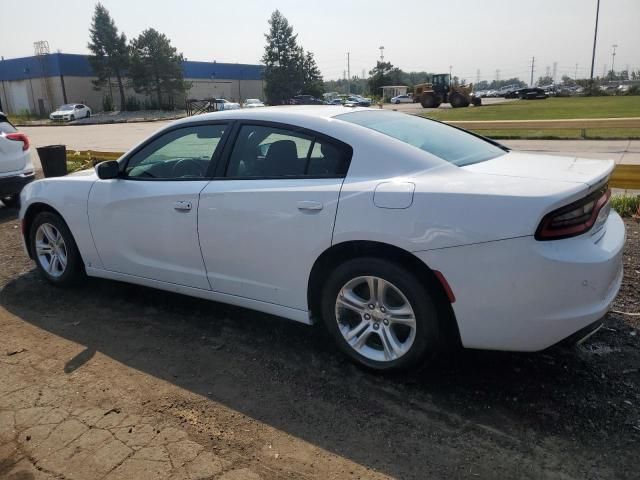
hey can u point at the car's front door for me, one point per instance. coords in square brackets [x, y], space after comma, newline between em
[264, 224]
[145, 223]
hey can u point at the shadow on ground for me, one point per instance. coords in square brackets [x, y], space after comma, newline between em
[572, 411]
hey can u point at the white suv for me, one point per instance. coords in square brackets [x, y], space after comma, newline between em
[16, 168]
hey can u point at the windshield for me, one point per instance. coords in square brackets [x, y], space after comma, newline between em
[66, 107]
[455, 146]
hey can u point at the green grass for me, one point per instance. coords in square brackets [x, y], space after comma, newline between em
[590, 133]
[549, 109]
[626, 205]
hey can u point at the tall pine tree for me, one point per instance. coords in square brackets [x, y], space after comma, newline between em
[156, 68]
[313, 84]
[110, 53]
[283, 61]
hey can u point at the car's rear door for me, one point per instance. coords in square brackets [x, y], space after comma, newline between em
[264, 222]
[145, 223]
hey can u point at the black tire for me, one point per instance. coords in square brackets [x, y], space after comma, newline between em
[88, 114]
[397, 102]
[74, 269]
[72, 118]
[428, 100]
[11, 201]
[427, 340]
[458, 101]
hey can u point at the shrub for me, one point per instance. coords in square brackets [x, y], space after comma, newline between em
[132, 104]
[626, 205]
[107, 103]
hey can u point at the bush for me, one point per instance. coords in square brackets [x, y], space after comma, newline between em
[107, 103]
[132, 104]
[626, 205]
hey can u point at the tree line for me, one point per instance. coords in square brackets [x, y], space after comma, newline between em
[147, 63]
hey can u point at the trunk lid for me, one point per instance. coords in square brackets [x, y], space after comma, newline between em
[546, 167]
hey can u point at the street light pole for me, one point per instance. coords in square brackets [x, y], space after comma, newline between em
[595, 37]
[613, 60]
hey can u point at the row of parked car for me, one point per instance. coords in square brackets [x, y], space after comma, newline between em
[346, 100]
[514, 91]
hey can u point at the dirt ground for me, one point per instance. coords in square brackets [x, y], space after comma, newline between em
[110, 380]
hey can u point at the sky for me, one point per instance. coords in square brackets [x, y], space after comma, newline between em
[468, 35]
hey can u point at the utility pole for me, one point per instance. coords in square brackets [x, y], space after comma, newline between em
[497, 75]
[613, 60]
[533, 62]
[555, 71]
[348, 73]
[381, 48]
[595, 37]
[450, 67]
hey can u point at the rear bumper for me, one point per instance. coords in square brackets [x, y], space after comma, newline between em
[525, 295]
[13, 185]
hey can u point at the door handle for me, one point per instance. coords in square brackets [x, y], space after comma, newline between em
[308, 205]
[182, 206]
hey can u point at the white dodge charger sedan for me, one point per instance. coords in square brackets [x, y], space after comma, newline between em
[401, 234]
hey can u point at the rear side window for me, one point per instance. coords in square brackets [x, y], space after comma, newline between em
[270, 152]
[450, 144]
[5, 125]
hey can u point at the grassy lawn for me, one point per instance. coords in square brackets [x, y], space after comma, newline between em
[551, 108]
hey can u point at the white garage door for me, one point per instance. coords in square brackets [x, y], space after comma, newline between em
[18, 97]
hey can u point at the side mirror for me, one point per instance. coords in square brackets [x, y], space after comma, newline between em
[108, 170]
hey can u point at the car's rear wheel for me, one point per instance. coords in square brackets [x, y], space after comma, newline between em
[380, 314]
[11, 201]
[54, 250]
[88, 114]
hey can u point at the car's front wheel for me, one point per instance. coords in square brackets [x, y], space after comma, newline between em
[55, 250]
[380, 314]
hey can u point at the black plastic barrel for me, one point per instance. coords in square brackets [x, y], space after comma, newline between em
[54, 160]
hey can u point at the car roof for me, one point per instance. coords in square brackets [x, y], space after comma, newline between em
[284, 113]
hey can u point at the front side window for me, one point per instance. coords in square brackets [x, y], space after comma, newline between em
[181, 154]
[450, 144]
[269, 152]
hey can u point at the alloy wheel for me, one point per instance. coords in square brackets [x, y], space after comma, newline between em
[51, 250]
[375, 318]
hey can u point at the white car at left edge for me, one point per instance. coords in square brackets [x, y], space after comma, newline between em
[402, 235]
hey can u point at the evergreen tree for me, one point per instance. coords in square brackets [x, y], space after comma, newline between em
[283, 61]
[156, 67]
[312, 78]
[110, 54]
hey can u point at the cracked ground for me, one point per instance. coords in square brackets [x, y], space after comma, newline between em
[113, 381]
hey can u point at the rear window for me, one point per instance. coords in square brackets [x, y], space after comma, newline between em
[455, 146]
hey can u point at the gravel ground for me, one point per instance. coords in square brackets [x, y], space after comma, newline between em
[275, 398]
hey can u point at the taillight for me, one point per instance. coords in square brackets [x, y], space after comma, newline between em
[19, 137]
[575, 218]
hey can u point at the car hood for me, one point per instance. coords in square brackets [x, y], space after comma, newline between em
[546, 167]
